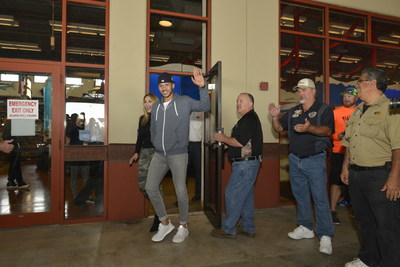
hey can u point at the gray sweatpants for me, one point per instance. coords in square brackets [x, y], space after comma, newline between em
[159, 166]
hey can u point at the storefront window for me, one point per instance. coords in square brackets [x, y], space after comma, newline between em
[27, 31]
[301, 18]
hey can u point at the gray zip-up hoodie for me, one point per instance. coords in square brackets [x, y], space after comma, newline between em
[169, 127]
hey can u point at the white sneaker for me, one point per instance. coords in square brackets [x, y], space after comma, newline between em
[181, 235]
[325, 245]
[301, 232]
[355, 263]
[163, 231]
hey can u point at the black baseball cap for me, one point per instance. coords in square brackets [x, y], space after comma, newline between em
[165, 78]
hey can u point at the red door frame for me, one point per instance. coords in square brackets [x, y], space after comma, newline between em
[56, 214]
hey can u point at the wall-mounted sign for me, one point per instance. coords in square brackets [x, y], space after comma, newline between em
[22, 109]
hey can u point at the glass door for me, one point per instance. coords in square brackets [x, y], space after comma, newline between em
[213, 151]
[29, 186]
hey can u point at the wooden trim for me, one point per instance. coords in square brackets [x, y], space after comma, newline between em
[89, 2]
[178, 15]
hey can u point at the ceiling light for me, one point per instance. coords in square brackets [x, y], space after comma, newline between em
[80, 28]
[160, 58]
[85, 51]
[20, 46]
[289, 17]
[7, 20]
[346, 27]
[345, 59]
[390, 65]
[395, 35]
[165, 23]
[389, 40]
[302, 53]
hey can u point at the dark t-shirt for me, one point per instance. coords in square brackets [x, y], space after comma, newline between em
[247, 132]
[305, 144]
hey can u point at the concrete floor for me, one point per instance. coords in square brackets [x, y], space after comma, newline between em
[129, 244]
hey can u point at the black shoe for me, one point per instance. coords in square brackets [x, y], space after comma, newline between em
[219, 233]
[335, 219]
[241, 231]
[156, 223]
[11, 185]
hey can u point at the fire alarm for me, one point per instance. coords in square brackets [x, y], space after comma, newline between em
[264, 86]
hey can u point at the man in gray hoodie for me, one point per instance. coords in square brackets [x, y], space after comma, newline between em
[169, 128]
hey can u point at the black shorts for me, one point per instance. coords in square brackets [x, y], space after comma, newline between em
[336, 168]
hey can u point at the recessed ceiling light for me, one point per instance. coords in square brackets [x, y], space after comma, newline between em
[165, 23]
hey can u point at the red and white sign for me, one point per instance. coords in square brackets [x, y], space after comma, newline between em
[22, 109]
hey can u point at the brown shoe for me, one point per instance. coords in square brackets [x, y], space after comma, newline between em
[219, 233]
[240, 231]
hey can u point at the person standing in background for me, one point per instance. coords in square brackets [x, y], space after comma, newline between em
[341, 116]
[195, 138]
[144, 150]
[309, 126]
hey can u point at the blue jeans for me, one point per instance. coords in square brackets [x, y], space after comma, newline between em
[239, 196]
[308, 179]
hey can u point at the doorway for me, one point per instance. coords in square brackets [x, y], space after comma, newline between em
[29, 109]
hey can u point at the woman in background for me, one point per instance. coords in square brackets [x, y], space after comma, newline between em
[145, 149]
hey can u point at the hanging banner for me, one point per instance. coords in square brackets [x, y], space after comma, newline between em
[22, 109]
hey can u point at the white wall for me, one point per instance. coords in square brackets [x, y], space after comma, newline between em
[245, 38]
[127, 68]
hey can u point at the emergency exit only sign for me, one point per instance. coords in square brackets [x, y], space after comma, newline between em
[22, 109]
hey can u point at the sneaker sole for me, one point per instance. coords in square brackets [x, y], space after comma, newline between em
[167, 233]
[325, 252]
[298, 238]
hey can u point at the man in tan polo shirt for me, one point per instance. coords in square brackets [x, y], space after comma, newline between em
[371, 168]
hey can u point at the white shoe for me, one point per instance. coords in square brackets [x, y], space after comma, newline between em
[301, 232]
[355, 263]
[163, 231]
[325, 245]
[181, 235]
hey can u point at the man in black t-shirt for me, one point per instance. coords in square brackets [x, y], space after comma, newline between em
[309, 126]
[245, 152]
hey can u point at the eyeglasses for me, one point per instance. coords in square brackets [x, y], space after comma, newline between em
[361, 80]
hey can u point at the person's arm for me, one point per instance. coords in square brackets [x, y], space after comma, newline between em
[6, 146]
[392, 185]
[230, 141]
[325, 129]
[204, 103]
[307, 127]
[274, 111]
[344, 175]
[140, 137]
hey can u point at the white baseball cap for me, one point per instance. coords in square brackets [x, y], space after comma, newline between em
[304, 83]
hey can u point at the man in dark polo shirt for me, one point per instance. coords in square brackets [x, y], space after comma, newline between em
[371, 168]
[309, 126]
[245, 151]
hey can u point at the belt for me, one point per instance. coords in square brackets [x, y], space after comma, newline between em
[356, 168]
[247, 158]
[303, 157]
